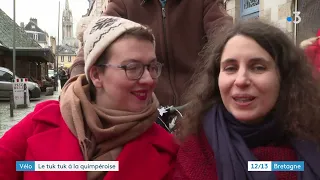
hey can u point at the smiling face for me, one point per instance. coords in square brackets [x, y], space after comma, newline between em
[248, 81]
[113, 89]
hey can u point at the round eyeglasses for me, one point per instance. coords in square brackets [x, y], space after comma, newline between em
[135, 70]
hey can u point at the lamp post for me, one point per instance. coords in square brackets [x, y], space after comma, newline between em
[57, 53]
[14, 41]
[58, 35]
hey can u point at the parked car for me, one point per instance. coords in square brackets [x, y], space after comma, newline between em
[47, 82]
[6, 85]
[43, 83]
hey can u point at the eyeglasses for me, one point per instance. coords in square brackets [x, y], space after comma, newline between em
[135, 70]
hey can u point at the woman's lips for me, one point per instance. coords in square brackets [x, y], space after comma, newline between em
[141, 94]
[243, 100]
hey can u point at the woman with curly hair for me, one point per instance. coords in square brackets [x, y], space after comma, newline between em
[253, 99]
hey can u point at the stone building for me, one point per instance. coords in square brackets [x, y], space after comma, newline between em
[277, 12]
[66, 52]
[96, 7]
[66, 56]
[31, 58]
[36, 33]
[67, 27]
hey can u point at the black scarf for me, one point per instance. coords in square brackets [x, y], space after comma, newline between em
[231, 141]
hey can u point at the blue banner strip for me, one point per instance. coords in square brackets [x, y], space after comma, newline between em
[287, 166]
[25, 166]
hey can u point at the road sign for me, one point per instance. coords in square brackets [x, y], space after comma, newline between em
[21, 92]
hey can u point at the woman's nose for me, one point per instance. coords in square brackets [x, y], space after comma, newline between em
[242, 79]
[146, 78]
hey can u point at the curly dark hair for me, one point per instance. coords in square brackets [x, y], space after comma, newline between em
[298, 105]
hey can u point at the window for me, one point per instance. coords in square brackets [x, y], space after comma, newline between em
[35, 37]
[4, 76]
[249, 8]
[69, 58]
[33, 26]
[62, 58]
[251, 16]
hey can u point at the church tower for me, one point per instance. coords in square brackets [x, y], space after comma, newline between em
[67, 26]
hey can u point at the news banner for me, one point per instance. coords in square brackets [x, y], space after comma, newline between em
[275, 165]
[114, 166]
[67, 165]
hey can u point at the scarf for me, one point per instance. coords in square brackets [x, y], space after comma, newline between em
[101, 132]
[231, 141]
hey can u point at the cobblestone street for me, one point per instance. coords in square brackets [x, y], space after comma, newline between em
[6, 122]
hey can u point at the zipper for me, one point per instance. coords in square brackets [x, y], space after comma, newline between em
[166, 50]
[163, 124]
[143, 2]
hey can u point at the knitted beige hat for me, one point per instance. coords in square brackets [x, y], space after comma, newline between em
[82, 26]
[100, 33]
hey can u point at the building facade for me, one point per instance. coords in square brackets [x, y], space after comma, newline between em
[36, 33]
[67, 27]
[66, 53]
[66, 56]
[310, 23]
[274, 11]
[53, 47]
[31, 58]
[96, 7]
[277, 12]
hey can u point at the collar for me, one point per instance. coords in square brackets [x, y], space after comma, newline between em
[144, 2]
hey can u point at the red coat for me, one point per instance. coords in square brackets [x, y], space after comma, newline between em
[43, 136]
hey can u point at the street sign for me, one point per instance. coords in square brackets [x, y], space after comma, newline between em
[21, 92]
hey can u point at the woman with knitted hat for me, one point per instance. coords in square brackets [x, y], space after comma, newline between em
[253, 99]
[106, 114]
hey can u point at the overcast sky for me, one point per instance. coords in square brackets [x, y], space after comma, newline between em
[46, 12]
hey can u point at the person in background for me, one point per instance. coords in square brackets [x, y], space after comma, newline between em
[311, 47]
[181, 29]
[253, 99]
[106, 114]
[63, 77]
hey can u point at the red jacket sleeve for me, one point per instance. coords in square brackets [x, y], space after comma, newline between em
[313, 54]
[215, 16]
[116, 8]
[13, 147]
[310, 51]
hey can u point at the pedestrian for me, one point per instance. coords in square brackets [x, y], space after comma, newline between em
[106, 114]
[63, 77]
[311, 47]
[181, 28]
[253, 99]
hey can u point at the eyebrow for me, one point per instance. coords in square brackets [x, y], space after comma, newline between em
[135, 60]
[256, 59]
[229, 60]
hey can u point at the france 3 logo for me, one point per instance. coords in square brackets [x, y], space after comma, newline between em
[296, 19]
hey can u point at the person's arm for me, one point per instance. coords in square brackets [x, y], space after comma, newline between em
[215, 17]
[13, 146]
[78, 65]
[114, 8]
[308, 42]
[312, 52]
